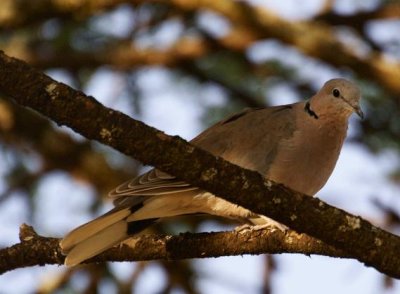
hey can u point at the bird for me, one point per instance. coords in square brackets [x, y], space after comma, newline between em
[296, 145]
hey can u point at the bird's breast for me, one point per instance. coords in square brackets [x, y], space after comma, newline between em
[305, 161]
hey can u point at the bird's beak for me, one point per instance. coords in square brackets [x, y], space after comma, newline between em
[356, 108]
[360, 113]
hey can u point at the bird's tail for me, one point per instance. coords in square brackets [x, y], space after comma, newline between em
[100, 234]
[132, 215]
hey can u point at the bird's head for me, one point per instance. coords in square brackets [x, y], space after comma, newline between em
[338, 95]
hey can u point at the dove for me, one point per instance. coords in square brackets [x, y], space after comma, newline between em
[295, 144]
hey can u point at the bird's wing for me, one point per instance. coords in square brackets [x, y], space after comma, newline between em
[153, 182]
[258, 130]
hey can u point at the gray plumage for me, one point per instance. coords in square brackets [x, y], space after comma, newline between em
[296, 144]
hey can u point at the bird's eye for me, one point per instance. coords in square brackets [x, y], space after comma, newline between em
[336, 93]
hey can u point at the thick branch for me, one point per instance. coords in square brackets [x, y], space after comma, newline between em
[85, 115]
[38, 250]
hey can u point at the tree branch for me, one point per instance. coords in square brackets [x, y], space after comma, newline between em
[37, 250]
[370, 245]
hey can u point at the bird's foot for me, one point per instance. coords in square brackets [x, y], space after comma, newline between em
[269, 223]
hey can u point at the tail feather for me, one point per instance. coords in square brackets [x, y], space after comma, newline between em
[85, 231]
[97, 243]
[122, 223]
[100, 234]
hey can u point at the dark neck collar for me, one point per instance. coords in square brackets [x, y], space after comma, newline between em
[310, 112]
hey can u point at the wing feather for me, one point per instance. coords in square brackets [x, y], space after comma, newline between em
[229, 139]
